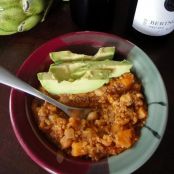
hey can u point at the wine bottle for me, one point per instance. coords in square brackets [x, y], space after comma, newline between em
[154, 17]
[144, 19]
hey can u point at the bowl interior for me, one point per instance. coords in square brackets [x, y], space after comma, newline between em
[45, 153]
[76, 48]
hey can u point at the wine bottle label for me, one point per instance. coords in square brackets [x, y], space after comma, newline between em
[154, 17]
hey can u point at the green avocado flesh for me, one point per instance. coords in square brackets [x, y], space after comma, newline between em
[89, 69]
[53, 86]
[79, 76]
[102, 54]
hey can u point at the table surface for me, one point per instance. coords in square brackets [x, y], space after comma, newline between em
[16, 48]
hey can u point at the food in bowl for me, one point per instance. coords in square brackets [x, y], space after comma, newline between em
[118, 106]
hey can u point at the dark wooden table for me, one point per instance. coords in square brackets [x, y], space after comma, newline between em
[15, 49]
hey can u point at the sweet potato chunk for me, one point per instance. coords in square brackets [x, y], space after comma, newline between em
[124, 138]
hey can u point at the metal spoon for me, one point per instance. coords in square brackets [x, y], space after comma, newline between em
[9, 79]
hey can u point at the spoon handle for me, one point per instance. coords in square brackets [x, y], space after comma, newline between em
[9, 79]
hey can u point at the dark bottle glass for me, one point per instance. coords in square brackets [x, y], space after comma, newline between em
[92, 14]
[144, 18]
[124, 11]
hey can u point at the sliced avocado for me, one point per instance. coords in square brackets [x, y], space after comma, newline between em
[81, 76]
[105, 53]
[78, 73]
[66, 56]
[53, 86]
[67, 71]
[121, 67]
[89, 69]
